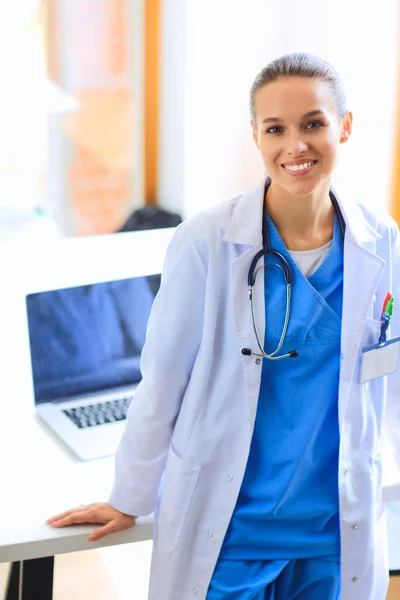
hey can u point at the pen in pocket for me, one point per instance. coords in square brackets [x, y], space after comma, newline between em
[387, 311]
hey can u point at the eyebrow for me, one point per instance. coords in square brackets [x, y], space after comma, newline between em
[312, 113]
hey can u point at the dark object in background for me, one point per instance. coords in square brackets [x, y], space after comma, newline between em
[151, 217]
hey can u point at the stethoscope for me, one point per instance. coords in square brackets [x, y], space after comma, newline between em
[285, 268]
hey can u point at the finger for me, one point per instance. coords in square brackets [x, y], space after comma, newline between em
[66, 513]
[76, 518]
[111, 527]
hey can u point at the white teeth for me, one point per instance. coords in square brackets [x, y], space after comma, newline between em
[299, 167]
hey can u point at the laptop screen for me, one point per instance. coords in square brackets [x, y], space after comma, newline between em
[89, 338]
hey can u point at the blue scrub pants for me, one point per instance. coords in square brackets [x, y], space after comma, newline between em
[300, 579]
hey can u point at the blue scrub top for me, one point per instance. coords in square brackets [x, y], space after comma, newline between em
[288, 505]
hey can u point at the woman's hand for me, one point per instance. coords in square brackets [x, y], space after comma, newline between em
[112, 520]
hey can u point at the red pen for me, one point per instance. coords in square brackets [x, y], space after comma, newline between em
[387, 299]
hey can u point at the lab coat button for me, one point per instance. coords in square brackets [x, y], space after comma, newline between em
[354, 579]
[230, 477]
[195, 590]
[258, 361]
[355, 526]
[346, 471]
[210, 534]
[341, 356]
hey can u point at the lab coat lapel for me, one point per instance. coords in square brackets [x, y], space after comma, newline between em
[244, 324]
[245, 231]
[362, 270]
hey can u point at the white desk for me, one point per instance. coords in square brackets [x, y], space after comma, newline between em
[40, 477]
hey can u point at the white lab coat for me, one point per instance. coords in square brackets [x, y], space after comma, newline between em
[194, 411]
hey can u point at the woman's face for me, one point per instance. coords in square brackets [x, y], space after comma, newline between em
[298, 132]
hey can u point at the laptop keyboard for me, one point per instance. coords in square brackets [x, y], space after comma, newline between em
[91, 415]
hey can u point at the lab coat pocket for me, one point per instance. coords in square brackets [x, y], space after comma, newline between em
[180, 480]
[371, 332]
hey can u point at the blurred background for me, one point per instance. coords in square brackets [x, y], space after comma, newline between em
[112, 105]
[109, 107]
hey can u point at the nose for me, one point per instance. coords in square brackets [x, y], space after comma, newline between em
[295, 145]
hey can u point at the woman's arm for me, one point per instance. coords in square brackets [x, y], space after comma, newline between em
[172, 341]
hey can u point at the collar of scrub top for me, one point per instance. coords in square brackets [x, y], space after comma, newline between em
[285, 268]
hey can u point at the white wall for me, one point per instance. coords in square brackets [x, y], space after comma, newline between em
[172, 104]
[212, 51]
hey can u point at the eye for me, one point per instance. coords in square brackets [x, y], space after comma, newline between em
[275, 127]
[316, 125]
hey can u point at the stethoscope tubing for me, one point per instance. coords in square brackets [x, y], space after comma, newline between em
[285, 268]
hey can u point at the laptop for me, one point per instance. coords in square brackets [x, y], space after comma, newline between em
[85, 346]
[84, 320]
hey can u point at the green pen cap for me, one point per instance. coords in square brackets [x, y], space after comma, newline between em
[389, 307]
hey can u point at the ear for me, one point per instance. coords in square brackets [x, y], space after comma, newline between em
[347, 127]
[255, 135]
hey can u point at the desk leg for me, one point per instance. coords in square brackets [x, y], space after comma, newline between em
[31, 580]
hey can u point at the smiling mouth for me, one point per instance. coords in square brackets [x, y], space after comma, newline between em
[300, 169]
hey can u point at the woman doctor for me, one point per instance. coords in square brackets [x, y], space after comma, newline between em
[251, 436]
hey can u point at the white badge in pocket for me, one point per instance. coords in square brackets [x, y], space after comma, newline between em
[379, 359]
